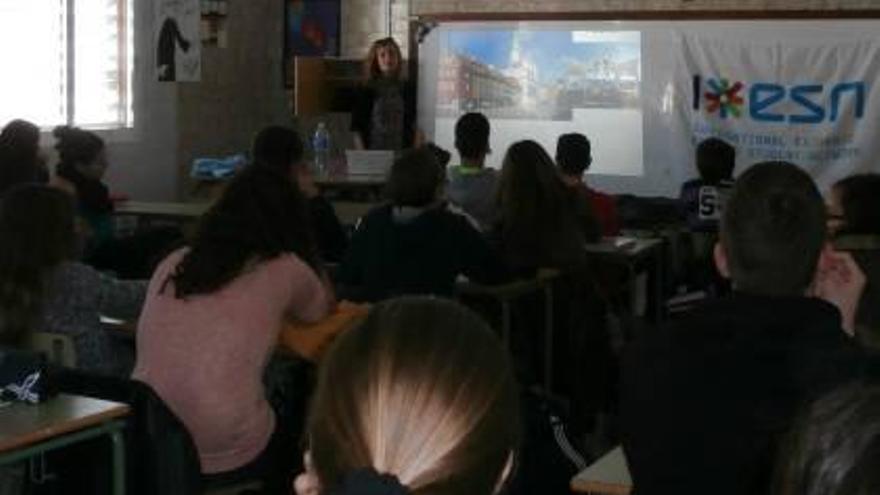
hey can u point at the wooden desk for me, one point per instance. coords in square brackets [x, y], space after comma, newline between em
[607, 476]
[174, 211]
[27, 431]
[637, 256]
[363, 187]
[350, 180]
[349, 212]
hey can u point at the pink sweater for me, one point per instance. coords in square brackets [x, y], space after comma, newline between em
[205, 355]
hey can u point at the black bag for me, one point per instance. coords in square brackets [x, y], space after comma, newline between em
[23, 376]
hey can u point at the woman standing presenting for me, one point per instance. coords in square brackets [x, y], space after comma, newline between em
[383, 117]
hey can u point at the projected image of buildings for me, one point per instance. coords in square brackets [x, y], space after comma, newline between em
[537, 74]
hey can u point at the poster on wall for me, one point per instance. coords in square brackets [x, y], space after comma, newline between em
[808, 103]
[311, 28]
[178, 54]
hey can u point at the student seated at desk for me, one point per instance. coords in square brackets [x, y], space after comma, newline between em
[472, 186]
[83, 161]
[540, 224]
[706, 399]
[574, 157]
[414, 245]
[281, 149]
[854, 223]
[703, 199]
[44, 289]
[213, 316]
[543, 226]
[80, 171]
[421, 398]
[21, 161]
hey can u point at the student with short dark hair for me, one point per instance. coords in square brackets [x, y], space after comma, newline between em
[472, 186]
[281, 149]
[574, 157]
[706, 399]
[414, 245]
[834, 448]
[703, 198]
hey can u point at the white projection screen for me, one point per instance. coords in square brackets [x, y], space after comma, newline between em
[619, 82]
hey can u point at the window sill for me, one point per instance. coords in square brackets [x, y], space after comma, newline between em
[109, 135]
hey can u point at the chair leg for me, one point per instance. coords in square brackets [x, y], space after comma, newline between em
[548, 337]
[505, 321]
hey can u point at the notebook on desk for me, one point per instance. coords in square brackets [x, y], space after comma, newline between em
[369, 162]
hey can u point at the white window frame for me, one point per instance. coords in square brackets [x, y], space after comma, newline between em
[125, 25]
[123, 129]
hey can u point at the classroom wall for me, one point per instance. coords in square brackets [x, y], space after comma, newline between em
[143, 161]
[363, 20]
[241, 90]
[366, 20]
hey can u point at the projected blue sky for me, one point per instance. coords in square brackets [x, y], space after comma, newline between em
[553, 52]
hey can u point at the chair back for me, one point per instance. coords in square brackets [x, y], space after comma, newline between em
[160, 452]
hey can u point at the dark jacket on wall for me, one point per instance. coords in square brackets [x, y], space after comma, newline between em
[706, 399]
[420, 253]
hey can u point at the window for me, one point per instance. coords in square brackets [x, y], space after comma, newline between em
[67, 62]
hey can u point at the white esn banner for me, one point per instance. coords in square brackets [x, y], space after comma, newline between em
[809, 102]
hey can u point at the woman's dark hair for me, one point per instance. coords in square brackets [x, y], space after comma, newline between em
[37, 232]
[260, 216]
[19, 154]
[422, 391]
[371, 62]
[715, 160]
[443, 157]
[538, 226]
[278, 148]
[859, 197]
[834, 448]
[414, 179]
[76, 146]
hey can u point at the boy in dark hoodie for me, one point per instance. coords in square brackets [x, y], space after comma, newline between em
[706, 399]
[414, 245]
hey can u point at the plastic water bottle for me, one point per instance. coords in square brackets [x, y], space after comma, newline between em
[321, 148]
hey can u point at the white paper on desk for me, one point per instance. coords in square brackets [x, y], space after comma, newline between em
[369, 162]
[621, 242]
